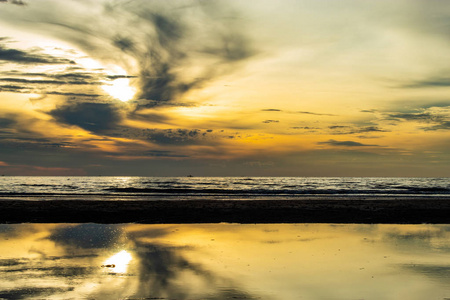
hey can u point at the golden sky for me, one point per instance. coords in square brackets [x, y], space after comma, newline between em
[225, 88]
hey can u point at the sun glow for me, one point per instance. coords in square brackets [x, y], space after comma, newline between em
[120, 89]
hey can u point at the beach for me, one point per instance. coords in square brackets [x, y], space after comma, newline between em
[321, 210]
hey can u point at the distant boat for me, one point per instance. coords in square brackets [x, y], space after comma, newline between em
[190, 176]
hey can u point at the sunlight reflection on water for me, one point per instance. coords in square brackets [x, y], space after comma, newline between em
[224, 261]
[118, 263]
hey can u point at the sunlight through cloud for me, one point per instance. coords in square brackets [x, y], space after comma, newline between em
[120, 89]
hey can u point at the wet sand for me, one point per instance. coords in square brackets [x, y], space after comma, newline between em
[369, 211]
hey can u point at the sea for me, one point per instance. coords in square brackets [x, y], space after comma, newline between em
[223, 260]
[219, 188]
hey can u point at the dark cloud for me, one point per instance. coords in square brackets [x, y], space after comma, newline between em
[434, 114]
[23, 143]
[16, 133]
[114, 77]
[345, 144]
[315, 114]
[425, 117]
[422, 116]
[342, 129]
[174, 136]
[445, 125]
[163, 153]
[305, 127]
[16, 2]
[5, 125]
[271, 109]
[165, 41]
[160, 79]
[20, 125]
[371, 129]
[338, 127]
[150, 153]
[67, 83]
[431, 104]
[14, 89]
[95, 117]
[50, 82]
[34, 56]
[271, 121]
[432, 82]
[72, 94]
[144, 103]
[153, 117]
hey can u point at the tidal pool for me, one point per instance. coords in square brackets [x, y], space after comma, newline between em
[224, 261]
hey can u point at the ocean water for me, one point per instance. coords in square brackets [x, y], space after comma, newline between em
[243, 188]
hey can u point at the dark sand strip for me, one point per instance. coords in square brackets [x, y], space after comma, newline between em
[405, 211]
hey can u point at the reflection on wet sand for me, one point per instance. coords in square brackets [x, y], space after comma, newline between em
[224, 261]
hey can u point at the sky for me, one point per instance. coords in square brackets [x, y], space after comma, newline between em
[225, 87]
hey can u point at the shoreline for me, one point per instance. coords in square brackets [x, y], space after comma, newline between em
[342, 210]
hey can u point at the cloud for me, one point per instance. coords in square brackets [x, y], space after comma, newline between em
[371, 129]
[304, 128]
[72, 94]
[315, 114]
[345, 143]
[422, 116]
[271, 121]
[56, 82]
[432, 82]
[271, 109]
[174, 136]
[162, 153]
[16, 2]
[440, 116]
[160, 78]
[162, 44]
[86, 236]
[14, 89]
[50, 82]
[445, 125]
[95, 117]
[33, 56]
[146, 154]
[341, 129]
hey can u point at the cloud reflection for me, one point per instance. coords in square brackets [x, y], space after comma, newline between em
[223, 261]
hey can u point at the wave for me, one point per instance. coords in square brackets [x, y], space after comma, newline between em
[203, 186]
[273, 191]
